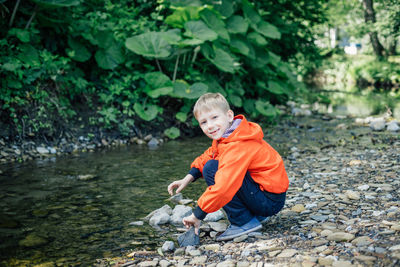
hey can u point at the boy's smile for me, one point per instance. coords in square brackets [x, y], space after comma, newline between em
[214, 123]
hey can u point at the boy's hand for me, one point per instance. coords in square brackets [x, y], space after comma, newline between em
[180, 184]
[192, 221]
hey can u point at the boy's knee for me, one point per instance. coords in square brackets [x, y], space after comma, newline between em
[209, 170]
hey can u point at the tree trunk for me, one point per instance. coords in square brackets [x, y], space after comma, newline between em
[369, 15]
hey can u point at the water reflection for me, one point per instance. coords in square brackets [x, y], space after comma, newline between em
[362, 103]
[71, 209]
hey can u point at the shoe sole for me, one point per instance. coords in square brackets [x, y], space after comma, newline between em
[225, 238]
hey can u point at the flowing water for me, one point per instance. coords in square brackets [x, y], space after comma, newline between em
[74, 209]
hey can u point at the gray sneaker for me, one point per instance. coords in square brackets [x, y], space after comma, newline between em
[234, 231]
[263, 219]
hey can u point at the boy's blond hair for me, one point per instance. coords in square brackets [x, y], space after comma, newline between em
[210, 101]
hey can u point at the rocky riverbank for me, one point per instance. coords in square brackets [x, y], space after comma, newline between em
[20, 151]
[342, 208]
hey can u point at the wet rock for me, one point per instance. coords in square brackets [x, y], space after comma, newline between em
[86, 177]
[136, 223]
[153, 143]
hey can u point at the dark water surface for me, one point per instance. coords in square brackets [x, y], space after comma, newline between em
[74, 209]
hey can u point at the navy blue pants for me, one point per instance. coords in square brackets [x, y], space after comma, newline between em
[249, 201]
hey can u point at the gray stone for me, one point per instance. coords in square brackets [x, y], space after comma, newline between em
[42, 150]
[340, 237]
[215, 216]
[287, 253]
[377, 124]
[153, 143]
[189, 238]
[168, 246]
[217, 226]
[393, 126]
[178, 213]
[362, 241]
[396, 247]
[176, 198]
[164, 263]
[199, 260]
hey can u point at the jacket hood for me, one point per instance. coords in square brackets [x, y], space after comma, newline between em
[245, 131]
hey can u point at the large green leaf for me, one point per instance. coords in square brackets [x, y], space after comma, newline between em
[276, 88]
[147, 112]
[237, 24]
[235, 100]
[173, 36]
[274, 59]
[225, 7]
[250, 13]
[172, 132]
[197, 29]
[182, 15]
[241, 46]
[183, 90]
[57, 3]
[273, 87]
[191, 42]
[29, 55]
[158, 84]
[222, 60]
[257, 39]
[183, 3]
[22, 35]
[262, 57]
[266, 109]
[104, 39]
[109, 58]
[181, 116]
[215, 23]
[151, 44]
[78, 51]
[268, 30]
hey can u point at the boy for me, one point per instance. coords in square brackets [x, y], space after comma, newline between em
[245, 175]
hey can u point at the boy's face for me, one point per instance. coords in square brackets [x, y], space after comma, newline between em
[215, 122]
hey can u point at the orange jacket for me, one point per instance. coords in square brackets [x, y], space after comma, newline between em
[244, 150]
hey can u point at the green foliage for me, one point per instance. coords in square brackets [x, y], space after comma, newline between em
[172, 132]
[124, 63]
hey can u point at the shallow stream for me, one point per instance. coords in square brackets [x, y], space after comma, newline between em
[72, 210]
